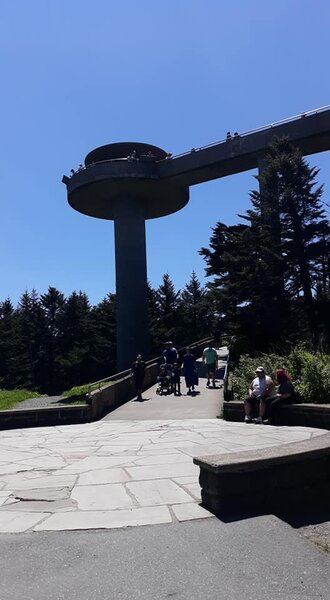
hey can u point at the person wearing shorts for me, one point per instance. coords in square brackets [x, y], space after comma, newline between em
[261, 388]
[210, 360]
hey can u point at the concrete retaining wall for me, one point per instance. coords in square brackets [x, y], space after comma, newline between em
[42, 417]
[305, 415]
[119, 392]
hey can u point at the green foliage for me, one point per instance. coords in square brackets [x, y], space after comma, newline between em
[271, 276]
[9, 398]
[243, 375]
[310, 373]
[76, 394]
[313, 376]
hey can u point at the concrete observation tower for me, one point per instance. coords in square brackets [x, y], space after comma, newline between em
[130, 182]
[120, 182]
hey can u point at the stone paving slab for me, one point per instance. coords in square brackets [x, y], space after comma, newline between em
[112, 474]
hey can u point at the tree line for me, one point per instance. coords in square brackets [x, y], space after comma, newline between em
[51, 343]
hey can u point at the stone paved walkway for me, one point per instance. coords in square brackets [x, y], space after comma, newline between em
[114, 474]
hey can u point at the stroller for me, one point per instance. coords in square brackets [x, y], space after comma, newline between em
[164, 381]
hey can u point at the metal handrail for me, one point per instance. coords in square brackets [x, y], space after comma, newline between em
[222, 141]
[257, 129]
[127, 372]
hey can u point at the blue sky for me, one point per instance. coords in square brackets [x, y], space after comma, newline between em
[77, 74]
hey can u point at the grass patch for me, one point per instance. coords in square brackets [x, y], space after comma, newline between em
[9, 398]
[76, 395]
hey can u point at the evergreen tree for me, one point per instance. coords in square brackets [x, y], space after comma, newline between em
[103, 343]
[30, 333]
[196, 316]
[294, 200]
[230, 261]
[168, 306]
[269, 274]
[154, 321]
[52, 304]
[76, 340]
[8, 345]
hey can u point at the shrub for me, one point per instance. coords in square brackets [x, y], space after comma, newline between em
[310, 373]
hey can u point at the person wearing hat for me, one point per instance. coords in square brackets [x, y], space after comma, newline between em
[261, 388]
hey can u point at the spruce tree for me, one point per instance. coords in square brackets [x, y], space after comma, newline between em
[30, 333]
[9, 367]
[52, 305]
[293, 200]
[103, 338]
[168, 306]
[196, 317]
[76, 340]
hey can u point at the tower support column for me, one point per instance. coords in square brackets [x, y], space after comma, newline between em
[131, 281]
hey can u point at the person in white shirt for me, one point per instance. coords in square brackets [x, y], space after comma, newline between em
[261, 388]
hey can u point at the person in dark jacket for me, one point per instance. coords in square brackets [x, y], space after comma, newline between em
[138, 371]
[285, 395]
[188, 365]
[170, 354]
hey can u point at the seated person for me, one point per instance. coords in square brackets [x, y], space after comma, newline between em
[163, 379]
[285, 395]
[261, 387]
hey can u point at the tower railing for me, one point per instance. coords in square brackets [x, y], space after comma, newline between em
[221, 141]
[257, 129]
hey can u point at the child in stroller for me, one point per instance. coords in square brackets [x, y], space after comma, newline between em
[164, 381]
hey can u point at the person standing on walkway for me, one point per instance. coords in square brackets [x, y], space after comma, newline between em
[175, 379]
[210, 360]
[188, 365]
[138, 371]
[170, 354]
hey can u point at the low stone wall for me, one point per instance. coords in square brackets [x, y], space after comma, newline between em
[304, 414]
[280, 479]
[42, 417]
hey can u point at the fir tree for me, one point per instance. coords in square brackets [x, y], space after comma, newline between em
[30, 333]
[196, 316]
[8, 345]
[52, 304]
[168, 306]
